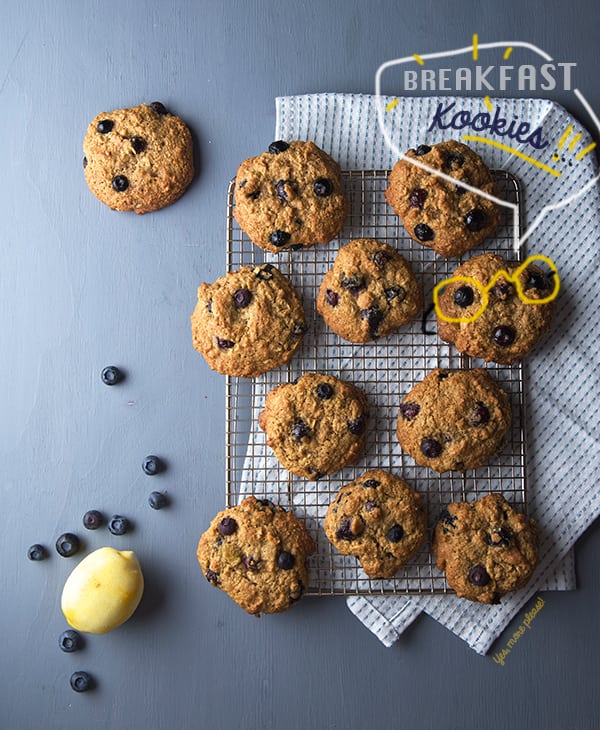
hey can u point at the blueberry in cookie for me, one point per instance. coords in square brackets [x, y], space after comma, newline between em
[257, 553]
[486, 548]
[379, 519]
[138, 159]
[495, 310]
[248, 321]
[454, 420]
[437, 213]
[316, 425]
[290, 197]
[369, 292]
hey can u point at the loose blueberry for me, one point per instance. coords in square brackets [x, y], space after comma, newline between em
[503, 335]
[67, 544]
[300, 430]
[422, 149]
[111, 375]
[417, 198]
[81, 681]
[70, 641]
[227, 526]
[395, 533]
[357, 426]
[158, 500]
[224, 344]
[409, 410]
[536, 280]
[371, 483]
[323, 187]
[158, 107]
[423, 232]
[374, 317]
[331, 297]
[279, 238]
[395, 292]
[431, 448]
[105, 126]
[499, 537]
[152, 465]
[280, 191]
[276, 148]
[463, 296]
[324, 391]
[475, 220]
[478, 576]
[380, 258]
[242, 298]
[285, 560]
[212, 577]
[118, 525]
[120, 183]
[93, 519]
[480, 415]
[37, 552]
[139, 144]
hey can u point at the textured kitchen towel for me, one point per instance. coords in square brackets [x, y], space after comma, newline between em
[562, 386]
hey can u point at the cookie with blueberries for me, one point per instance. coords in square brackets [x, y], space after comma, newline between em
[257, 553]
[248, 321]
[494, 305]
[486, 548]
[138, 159]
[290, 197]
[454, 420]
[369, 292]
[438, 213]
[380, 520]
[315, 425]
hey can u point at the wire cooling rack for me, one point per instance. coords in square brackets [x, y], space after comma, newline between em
[385, 370]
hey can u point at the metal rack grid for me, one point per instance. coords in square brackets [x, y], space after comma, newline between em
[386, 370]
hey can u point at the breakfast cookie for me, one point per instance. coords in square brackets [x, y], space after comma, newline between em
[439, 214]
[369, 292]
[247, 322]
[138, 159]
[316, 425]
[290, 197]
[486, 548]
[454, 420]
[257, 553]
[379, 519]
[489, 291]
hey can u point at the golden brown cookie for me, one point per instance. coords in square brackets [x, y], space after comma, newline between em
[247, 322]
[379, 519]
[257, 554]
[369, 292]
[437, 213]
[316, 425]
[138, 159]
[454, 420]
[486, 548]
[290, 197]
[506, 327]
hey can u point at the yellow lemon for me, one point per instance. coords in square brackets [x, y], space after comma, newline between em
[103, 591]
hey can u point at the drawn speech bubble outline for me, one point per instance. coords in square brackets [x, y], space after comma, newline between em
[483, 291]
[472, 50]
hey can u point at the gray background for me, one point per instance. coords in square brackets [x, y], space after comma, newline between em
[82, 287]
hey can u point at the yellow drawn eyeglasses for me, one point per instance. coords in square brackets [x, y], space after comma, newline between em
[484, 291]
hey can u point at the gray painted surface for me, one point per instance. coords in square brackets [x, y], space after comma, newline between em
[82, 287]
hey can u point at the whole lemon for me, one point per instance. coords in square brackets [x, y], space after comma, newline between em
[103, 591]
